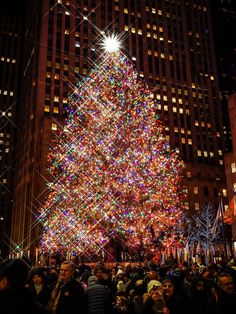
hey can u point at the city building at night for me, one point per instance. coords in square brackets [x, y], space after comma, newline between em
[171, 44]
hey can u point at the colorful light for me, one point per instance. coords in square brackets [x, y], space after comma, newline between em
[114, 174]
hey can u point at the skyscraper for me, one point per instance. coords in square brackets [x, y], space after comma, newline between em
[170, 43]
[11, 44]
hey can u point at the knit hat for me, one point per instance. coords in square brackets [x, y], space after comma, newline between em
[119, 272]
[152, 284]
[92, 280]
[120, 286]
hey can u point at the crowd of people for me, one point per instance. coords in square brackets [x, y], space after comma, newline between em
[123, 289]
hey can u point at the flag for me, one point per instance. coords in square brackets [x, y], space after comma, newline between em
[230, 213]
[218, 219]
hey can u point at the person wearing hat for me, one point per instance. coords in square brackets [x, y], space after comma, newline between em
[98, 297]
[154, 303]
[15, 297]
[37, 283]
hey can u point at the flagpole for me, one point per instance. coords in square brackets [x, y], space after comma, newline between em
[223, 226]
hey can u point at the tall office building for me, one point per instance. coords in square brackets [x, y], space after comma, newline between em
[11, 25]
[224, 21]
[171, 44]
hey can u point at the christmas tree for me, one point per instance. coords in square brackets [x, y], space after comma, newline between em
[115, 176]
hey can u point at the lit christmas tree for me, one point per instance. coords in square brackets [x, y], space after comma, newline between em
[114, 174]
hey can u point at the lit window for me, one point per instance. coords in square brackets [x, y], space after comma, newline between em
[46, 109]
[55, 110]
[189, 174]
[186, 205]
[174, 99]
[234, 186]
[56, 98]
[196, 123]
[190, 141]
[181, 110]
[54, 126]
[224, 192]
[199, 153]
[233, 167]
[220, 152]
[197, 206]
[211, 154]
[176, 129]
[180, 100]
[158, 96]
[174, 109]
[183, 141]
[165, 98]
[195, 190]
[126, 10]
[67, 32]
[67, 13]
[221, 162]
[11, 93]
[4, 181]
[205, 153]
[153, 10]
[162, 55]
[165, 108]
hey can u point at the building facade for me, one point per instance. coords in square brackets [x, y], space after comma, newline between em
[11, 45]
[170, 43]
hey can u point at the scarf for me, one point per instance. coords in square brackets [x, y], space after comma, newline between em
[55, 296]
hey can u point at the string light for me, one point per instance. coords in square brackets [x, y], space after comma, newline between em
[115, 174]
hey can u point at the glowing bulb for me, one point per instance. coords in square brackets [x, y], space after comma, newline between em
[111, 43]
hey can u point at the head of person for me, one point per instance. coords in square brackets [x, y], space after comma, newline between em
[225, 283]
[168, 287]
[92, 280]
[99, 271]
[67, 270]
[13, 274]
[37, 276]
[154, 289]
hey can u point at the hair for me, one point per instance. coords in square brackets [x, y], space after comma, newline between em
[69, 263]
[16, 271]
[222, 275]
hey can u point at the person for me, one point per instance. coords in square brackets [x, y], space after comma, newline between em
[122, 305]
[15, 297]
[176, 300]
[98, 297]
[38, 285]
[223, 299]
[154, 304]
[199, 295]
[68, 295]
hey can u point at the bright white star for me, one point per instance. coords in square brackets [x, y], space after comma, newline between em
[111, 43]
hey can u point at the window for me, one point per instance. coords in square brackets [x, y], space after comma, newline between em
[233, 167]
[224, 192]
[195, 190]
[196, 206]
[54, 126]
